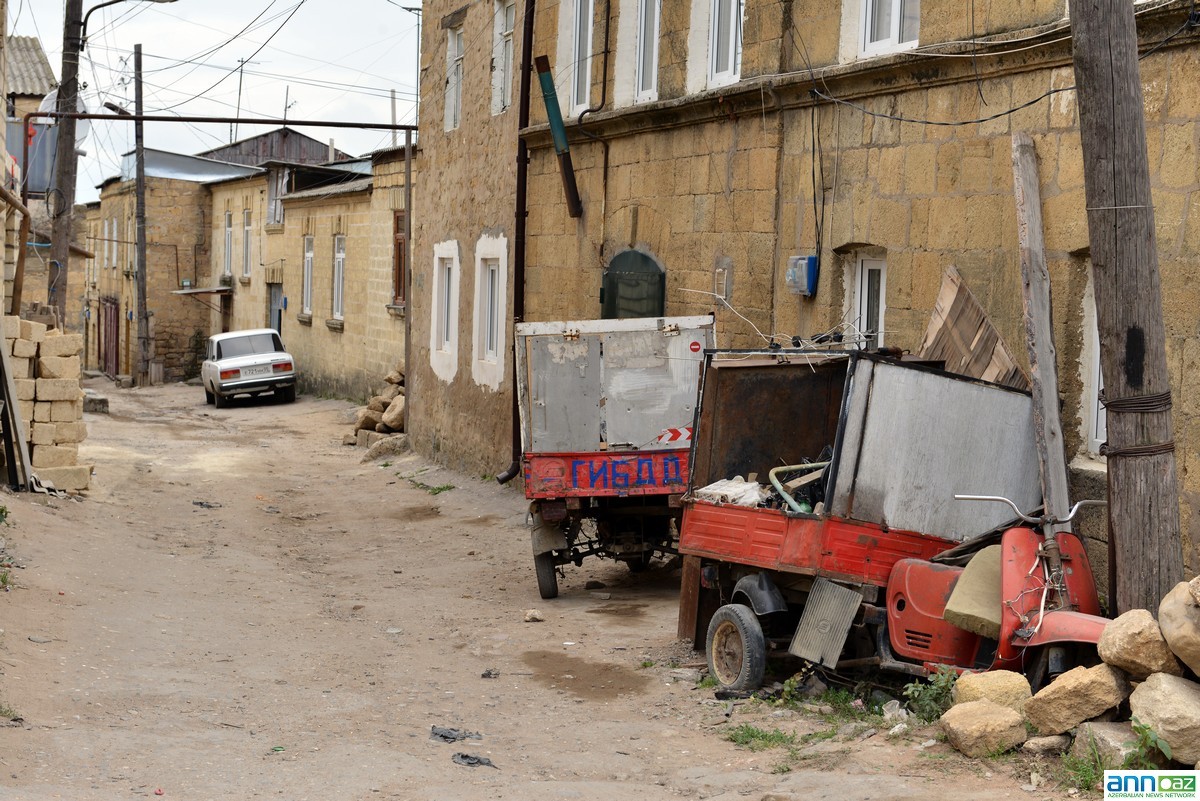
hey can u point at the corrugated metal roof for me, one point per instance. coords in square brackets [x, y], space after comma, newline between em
[344, 188]
[29, 70]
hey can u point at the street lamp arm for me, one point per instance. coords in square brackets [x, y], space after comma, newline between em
[83, 25]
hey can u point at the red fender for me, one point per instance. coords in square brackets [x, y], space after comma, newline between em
[1066, 626]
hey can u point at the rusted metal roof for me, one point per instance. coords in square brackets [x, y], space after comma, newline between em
[344, 188]
[29, 70]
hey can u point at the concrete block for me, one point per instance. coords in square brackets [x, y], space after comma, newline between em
[58, 367]
[55, 455]
[69, 433]
[12, 326]
[21, 368]
[33, 331]
[59, 389]
[67, 478]
[94, 402]
[66, 411]
[41, 412]
[26, 387]
[24, 348]
[42, 434]
[975, 603]
[65, 345]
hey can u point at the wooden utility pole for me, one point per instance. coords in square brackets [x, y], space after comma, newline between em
[1143, 501]
[139, 146]
[62, 200]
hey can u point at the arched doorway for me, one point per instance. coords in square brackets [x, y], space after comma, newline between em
[634, 286]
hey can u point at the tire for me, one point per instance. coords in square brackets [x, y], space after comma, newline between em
[286, 394]
[736, 648]
[208, 397]
[547, 574]
[219, 400]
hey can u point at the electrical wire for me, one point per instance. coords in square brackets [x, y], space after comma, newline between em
[275, 33]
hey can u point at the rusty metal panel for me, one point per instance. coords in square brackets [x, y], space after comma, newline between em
[609, 385]
[927, 435]
[828, 613]
[649, 384]
[759, 413]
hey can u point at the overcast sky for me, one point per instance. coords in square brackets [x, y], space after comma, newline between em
[330, 60]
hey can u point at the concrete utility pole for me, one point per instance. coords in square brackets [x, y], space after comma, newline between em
[66, 162]
[1143, 502]
[139, 146]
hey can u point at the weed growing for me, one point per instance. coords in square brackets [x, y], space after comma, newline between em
[757, 739]
[930, 700]
[1148, 749]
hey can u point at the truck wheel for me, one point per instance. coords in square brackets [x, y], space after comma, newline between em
[736, 648]
[547, 574]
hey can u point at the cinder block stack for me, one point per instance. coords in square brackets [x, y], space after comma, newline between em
[46, 370]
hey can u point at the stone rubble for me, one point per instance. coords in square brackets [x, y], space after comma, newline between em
[382, 417]
[1170, 706]
[1134, 643]
[1079, 694]
[983, 728]
[1004, 687]
[1179, 619]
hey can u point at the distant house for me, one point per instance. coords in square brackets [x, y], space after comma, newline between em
[316, 252]
[177, 253]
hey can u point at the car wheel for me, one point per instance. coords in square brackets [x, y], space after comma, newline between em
[736, 648]
[208, 397]
[286, 394]
[219, 400]
[547, 574]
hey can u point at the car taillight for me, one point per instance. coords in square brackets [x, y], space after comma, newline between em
[228, 374]
[282, 367]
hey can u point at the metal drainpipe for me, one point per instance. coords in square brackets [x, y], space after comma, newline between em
[593, 110]
[514, 469]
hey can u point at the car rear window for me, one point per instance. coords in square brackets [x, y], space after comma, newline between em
[248, 346]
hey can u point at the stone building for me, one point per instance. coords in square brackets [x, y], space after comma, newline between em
[717, 141]
[177, 254]
[311, 250]
[460, 375]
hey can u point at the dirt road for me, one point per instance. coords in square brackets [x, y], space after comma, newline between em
[240, 609]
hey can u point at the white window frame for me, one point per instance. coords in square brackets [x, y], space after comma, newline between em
[337, 296]
[648, 11]
[862, 299]
[306, 287]
[227, 267]
[582, 33]
[490, 324]
[1093, 417]
[733, 29]
[443, 322]
[892, 43]
[247, 243]
[502, 55]
[454, 77]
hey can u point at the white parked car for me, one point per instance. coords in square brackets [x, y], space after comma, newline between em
[247, 363]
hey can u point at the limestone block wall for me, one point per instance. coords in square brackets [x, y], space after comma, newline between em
[461, 410]
[331, 354]
[46, 372]
[384, 341]
[249, 300]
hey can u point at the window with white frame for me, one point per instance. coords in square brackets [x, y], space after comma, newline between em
[646, 80]
[339, 275]
[454, 77]
[443, 318]
[581, 82]
[502, 55]
[276, 189]
[488, 344]
[247, 243]
[725, 43]
[1094, 416]
[490, 326]
[306, 290]
[889, 25]
[870, 301]
[228, 266]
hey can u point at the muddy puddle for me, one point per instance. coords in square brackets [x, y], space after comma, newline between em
[628, 611]
[592, 681]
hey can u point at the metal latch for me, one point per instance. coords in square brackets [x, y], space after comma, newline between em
[570, 335]
[671, 330]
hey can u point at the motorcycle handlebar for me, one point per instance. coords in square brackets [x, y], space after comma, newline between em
[1035, 520]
